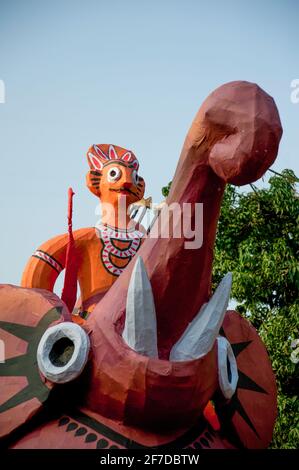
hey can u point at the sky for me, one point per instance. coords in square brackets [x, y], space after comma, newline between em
[131, 73]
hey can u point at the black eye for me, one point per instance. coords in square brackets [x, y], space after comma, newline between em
[113, 173]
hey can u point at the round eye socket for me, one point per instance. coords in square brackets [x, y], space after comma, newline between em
[63, 352]
[114, 174]
[227, 368]
[135, 177]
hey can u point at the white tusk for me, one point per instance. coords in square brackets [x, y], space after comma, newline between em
[200, 335]
[140, 331]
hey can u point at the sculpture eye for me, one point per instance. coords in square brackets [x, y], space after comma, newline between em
[114, 174]
[227, 368]
[135, 177]
[63, 352]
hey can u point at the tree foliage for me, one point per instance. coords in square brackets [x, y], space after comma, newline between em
[258, 240]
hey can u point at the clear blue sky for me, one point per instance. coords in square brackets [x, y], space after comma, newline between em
[132, 73]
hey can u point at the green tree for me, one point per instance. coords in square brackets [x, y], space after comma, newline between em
[258, 240]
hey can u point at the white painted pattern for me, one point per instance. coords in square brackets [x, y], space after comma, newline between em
[48, 259]
[97, 164]
[108, 235]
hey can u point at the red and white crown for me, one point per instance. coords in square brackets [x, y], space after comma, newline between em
[100, 154]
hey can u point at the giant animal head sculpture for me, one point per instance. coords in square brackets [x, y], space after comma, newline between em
[160, 346]
[234, 138]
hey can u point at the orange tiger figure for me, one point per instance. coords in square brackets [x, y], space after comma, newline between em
[103, 251]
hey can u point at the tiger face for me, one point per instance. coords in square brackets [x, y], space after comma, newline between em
[114, 174]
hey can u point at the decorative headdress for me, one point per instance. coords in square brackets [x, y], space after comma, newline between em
[100, 154]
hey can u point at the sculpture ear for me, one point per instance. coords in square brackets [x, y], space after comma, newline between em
[93, 180]
[62, 352]
[141, 187]
[248, 125]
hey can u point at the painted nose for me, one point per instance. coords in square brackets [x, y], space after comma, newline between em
[127, 185]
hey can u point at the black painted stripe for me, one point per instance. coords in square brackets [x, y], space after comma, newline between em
[186, 439]
[45, 253]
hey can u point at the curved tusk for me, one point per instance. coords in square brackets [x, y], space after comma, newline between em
[199, 337]
[140, 331]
